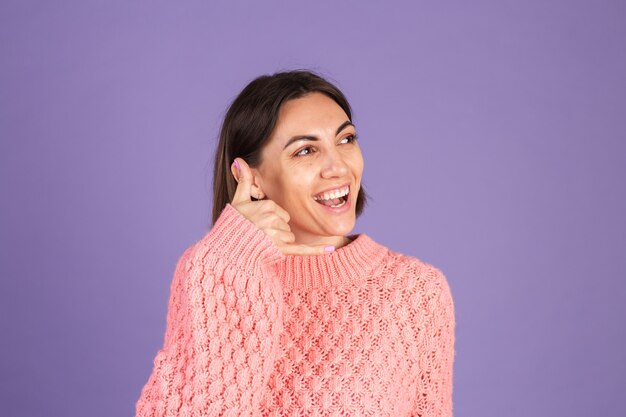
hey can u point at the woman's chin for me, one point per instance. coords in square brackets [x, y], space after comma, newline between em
[339, 228]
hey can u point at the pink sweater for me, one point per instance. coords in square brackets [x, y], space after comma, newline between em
[362, 331]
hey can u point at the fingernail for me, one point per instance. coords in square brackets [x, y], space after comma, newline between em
[329, 248]
[237, 165]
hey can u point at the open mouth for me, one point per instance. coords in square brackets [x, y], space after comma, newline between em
[334, 202]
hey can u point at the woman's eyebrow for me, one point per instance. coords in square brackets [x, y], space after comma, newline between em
[314, 138]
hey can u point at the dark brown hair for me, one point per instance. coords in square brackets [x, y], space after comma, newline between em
[250, 120]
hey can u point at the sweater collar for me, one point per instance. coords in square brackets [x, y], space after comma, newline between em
[347, 264]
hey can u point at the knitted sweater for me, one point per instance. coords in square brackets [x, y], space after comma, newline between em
[362, 331]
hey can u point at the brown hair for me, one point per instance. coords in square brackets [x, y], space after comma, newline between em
[250, 120]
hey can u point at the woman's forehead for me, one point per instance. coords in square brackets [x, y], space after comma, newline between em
[313, 113]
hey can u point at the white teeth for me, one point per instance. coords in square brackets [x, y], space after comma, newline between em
[334, 194]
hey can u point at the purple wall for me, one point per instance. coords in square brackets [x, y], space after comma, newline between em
[494, 142]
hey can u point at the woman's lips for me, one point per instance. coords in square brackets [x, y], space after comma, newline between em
[338, 210]
[340, 187]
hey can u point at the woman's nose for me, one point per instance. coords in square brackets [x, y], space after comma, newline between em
[334, 165]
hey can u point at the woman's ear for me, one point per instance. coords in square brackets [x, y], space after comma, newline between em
[257, 189]
[234, 172]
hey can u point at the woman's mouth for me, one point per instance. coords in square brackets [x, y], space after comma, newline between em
[335, 199]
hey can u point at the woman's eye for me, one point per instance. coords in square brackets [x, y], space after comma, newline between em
[309, 150]
[300, 152]
[351, 138]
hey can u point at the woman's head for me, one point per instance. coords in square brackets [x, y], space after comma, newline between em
[294, 129]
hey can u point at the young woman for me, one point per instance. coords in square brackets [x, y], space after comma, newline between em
[277, 310]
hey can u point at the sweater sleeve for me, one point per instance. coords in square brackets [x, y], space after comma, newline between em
[223, 322]
[434, 396]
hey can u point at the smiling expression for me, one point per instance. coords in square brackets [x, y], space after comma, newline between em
[312, 150]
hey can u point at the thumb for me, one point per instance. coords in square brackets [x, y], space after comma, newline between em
[244, 181]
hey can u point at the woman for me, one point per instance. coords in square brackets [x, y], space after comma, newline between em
[277, 311]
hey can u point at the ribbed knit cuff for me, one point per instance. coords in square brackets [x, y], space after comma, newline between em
[241, 242]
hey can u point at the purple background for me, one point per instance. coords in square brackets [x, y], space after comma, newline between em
[493, 135]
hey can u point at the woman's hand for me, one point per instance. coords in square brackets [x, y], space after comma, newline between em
[269, 216]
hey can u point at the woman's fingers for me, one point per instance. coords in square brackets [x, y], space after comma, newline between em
[299, 249]
[273, 207]
[284, 238]
[244, 182]
[278, 223]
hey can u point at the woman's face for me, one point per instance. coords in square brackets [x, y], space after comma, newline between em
[312, 150]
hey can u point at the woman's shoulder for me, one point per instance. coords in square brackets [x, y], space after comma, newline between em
[424, 285]
[411, 263]
[414, 272]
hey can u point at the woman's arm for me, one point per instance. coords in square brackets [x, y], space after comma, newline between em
[434, 396]
[224, 318]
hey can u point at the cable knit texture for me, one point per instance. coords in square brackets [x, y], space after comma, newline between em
[362, 331]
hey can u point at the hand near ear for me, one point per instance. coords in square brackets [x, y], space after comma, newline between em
[268, 216]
